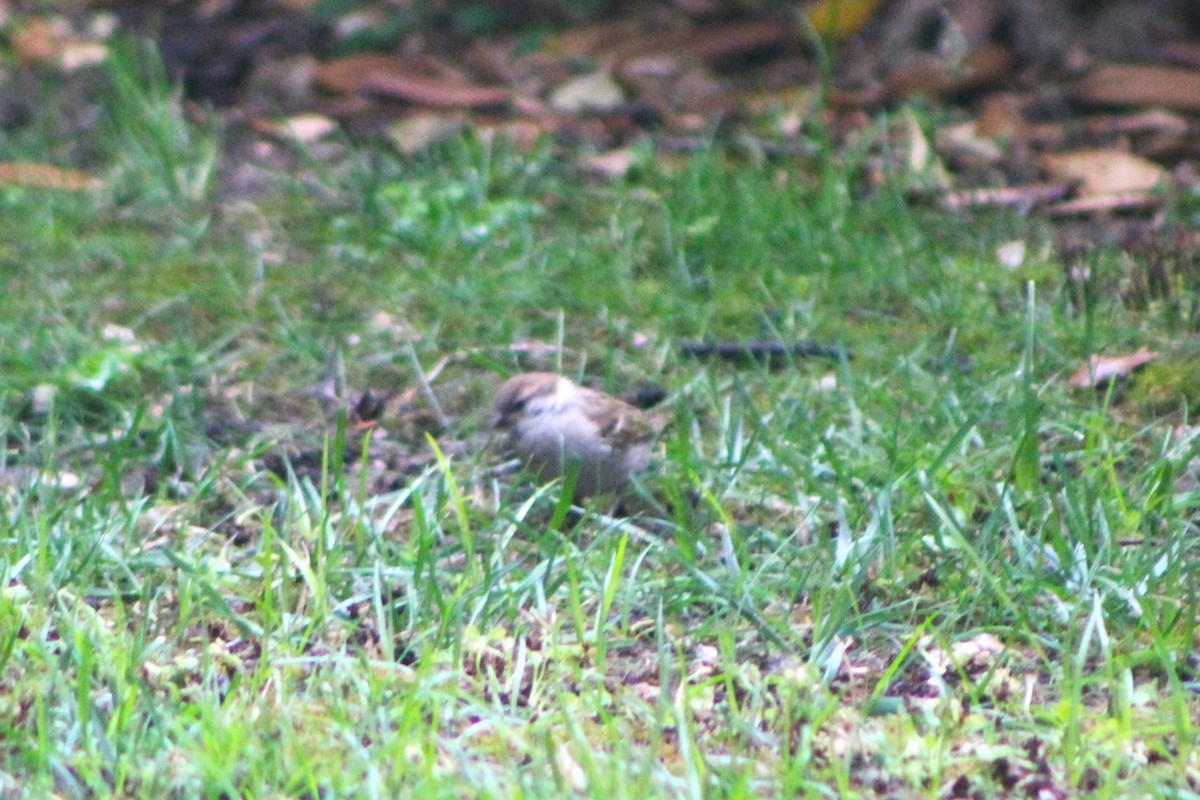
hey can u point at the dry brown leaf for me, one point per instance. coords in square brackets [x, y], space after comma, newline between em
[401, 79]
[1104, 172]
[735, 39]
[39, 39]
[1001, 117]
[50, 40]
[1156, 133]
[45, 176]
[612, 45]
[432, 92]
[983, 65]
[589, 42]
[1045, 135]
[1101, 369]
[857, 99]
[1150, 121]
[345, 75]
[963, 143]
[1141, 85]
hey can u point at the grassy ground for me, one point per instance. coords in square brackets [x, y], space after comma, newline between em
[932, 570]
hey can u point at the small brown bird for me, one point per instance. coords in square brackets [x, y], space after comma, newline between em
[555, 425]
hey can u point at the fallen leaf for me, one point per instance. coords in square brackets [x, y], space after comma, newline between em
[964, 143]
[614, 45]
[1141, 85]
[589, 42]
[345, 75]
[614, 164]
[418, 89]
[413, 134]
[307, 128]
[1101, 369]
[1150, 121]
[1001, 117]
[596, 92]
[51, 41]
[401, 79]
[837, 19]
[75, 55]
[45, 176]
[302, 128]
[981, 66]
[654, 66]
[977, 653]
[1105, 172]
[39, 39]
[734, 40]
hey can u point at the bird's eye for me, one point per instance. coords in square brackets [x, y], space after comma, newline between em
[519, 404]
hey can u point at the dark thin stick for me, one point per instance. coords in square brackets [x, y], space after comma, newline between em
[771, 352]
[1009, 196]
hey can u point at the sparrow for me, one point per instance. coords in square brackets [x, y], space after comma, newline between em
[555, 426]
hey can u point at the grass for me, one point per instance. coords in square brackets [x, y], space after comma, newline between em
[932, 570]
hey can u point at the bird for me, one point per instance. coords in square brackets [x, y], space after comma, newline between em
[557, 427]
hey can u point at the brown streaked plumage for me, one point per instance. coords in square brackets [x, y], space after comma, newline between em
[554, 424]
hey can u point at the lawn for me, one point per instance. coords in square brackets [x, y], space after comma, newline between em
[255, 542]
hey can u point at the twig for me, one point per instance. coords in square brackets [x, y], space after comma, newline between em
[1009, 196]
[771, 352]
